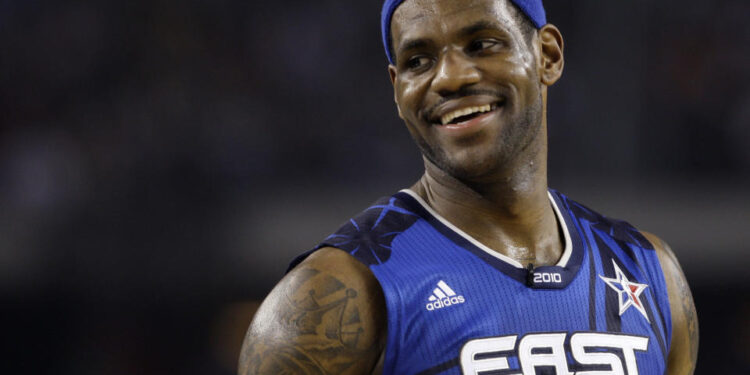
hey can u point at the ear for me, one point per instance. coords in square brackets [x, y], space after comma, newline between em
[392, 73]
[551, 59]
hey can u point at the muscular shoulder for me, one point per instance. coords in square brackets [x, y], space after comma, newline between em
[684, 349]
[326, 316]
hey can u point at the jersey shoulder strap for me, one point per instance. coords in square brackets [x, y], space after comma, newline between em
[617, 229]
[368, 236]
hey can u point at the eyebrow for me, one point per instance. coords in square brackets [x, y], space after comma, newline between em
[413, 44]
[465, 31]
[477, 27]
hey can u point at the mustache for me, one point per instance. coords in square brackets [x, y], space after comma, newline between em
[461, 93]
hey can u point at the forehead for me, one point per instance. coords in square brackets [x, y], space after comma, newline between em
[419, 18]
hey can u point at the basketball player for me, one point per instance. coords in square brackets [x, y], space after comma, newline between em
[478, 268]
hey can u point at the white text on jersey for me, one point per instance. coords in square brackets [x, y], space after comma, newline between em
[443, 296]
[548, 350]
[546, 277]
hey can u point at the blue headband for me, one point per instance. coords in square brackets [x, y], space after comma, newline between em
[531, 8]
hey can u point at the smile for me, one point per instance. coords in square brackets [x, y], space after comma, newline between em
[467, 113]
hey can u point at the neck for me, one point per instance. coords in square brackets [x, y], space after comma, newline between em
[514, 197]
[508, 211]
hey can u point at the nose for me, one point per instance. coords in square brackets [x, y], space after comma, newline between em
[454, 71]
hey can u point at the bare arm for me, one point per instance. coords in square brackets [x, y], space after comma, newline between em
[327, 316]
[684, 351]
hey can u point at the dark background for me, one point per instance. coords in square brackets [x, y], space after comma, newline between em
[161, 162]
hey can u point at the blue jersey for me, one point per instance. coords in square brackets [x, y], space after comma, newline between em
[457, 307]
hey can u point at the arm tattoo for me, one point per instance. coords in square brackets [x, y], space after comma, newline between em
[688, 307]
[318, 330]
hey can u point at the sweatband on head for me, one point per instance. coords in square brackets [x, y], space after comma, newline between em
[533, 9]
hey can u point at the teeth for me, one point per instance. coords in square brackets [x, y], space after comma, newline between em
[448, 117]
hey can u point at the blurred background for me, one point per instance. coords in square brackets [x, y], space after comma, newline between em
[161, 162]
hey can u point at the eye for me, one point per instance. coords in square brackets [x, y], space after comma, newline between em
[483, 45]
[417, 62]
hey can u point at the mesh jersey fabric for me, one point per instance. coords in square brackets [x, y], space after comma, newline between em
[455, 306]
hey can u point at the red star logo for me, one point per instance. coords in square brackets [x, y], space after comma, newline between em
[628, 292]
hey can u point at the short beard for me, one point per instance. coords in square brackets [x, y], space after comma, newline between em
[514, 141]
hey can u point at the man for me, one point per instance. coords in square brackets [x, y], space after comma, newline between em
[478, 267]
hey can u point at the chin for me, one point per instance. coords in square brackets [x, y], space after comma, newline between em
[470, 165]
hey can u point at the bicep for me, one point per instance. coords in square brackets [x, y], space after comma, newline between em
[684, 349]
[324, 317]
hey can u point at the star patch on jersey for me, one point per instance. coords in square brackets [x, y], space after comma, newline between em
[628, 292]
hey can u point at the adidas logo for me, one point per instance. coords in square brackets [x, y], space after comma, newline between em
[443, 296]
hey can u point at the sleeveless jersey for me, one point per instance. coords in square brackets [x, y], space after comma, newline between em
[457, 307]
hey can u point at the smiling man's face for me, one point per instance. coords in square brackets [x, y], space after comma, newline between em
[466, 82]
